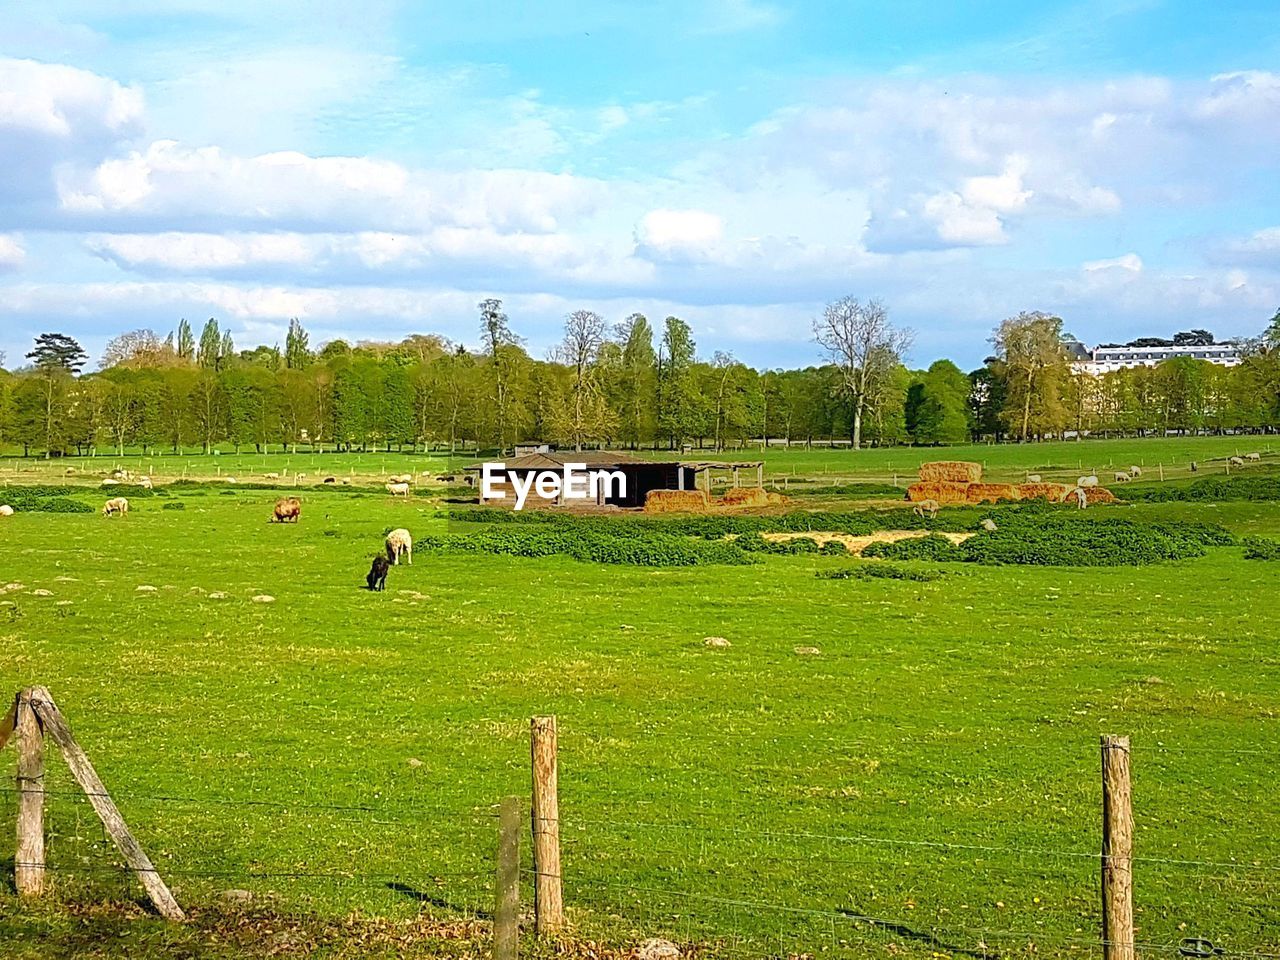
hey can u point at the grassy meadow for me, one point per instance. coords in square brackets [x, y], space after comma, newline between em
[927, 784]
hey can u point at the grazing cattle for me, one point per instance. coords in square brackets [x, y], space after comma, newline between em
[1089, 481]
[6, 510]
[398, 489]
[116, 506]
[377, 578]
[1034, 478]
[1253, 456]
[1135, 471]
[926, 507]
[400, 544]
[1122, 477]
[287, 510]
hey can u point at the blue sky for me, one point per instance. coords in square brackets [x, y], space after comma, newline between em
[377, 169]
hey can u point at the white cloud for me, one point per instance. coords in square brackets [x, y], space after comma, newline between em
[679, 234]
[1129, 261]
[64, 102]
[12, 253]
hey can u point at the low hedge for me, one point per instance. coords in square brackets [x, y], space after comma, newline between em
[1261, 548]
[1216, 489]
[653, 550]
[881, 571]
[932, 547]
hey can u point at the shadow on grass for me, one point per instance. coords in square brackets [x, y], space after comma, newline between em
[921, 936]
[419, 897]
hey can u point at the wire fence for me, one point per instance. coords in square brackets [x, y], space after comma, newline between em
[724, 859]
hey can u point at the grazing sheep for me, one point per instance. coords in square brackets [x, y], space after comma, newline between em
[110, 483]
[929, 507]
[1089, 481]
[1253, 456]
[988, 525]
[401, 478]
[330, 479]
[1135, 471]
[115, 506]
[377, 578]
[287, 510]
[1082, 497]
[145, 482]
[398, 489]
[1194, 466]
[1034, 478]
[6, 511]
[1122, 477]
[400, 543]
[1237, 461]
[120, 474]
[271, 476]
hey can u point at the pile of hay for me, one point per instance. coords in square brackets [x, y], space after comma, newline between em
[940, 490]
[991, 492]
[747, 497]
[1054, 492]
[675, 501]
[951, 471]
[1094, 495]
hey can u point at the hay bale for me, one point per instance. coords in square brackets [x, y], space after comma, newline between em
[951, 471]
[942, 491]
[991, 492]
[675, 501]
[745, 497]
[1099, 495]
[1054, 492]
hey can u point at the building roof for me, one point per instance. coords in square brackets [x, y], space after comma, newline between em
[601, 459]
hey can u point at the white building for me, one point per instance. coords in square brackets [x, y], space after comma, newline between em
[1104, 359]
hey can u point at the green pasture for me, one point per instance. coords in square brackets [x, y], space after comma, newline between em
[926, 785]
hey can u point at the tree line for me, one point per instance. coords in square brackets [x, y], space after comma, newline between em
[619, 385]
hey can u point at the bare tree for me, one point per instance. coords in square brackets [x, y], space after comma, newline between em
[138, 349]
[865, 347]
[584, 335]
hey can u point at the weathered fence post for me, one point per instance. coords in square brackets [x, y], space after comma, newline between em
[28, 869]
[548, 897]
[506, 913]
[1117, 850]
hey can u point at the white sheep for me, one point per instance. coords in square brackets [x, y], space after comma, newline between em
[1135, 471]
[923, 507]
[988, 525]
[1122, 476]
[1237, 461]
[400, 543]
[398, 489]
[145, 482]
[1034, 478]
[1089, 481]
[271, 476]
[110, 483]
[401, 478]
[1253, 456]
[6, 510]
[117, 506]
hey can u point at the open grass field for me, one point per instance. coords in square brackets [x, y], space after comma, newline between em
[927, 784]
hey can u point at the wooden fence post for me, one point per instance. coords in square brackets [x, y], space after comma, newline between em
[506, 913]
[1117, 850]
[548, 897]
[28, 869]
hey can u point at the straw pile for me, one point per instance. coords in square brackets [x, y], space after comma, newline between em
[675, 501]
[951, 471]
[1054, 492]
[941, 491]
[1094, 495]
[745, 497]
[991, 492]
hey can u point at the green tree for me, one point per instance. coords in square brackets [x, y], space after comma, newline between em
[678, 398]
[186, 346]
[210, 349]
[1034, 365]
[636, 397]
[942, 412]
[297, 350]
[58, 352]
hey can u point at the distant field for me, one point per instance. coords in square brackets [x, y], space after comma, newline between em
[926, 785]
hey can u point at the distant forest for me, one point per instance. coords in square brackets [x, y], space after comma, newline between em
[621, 385]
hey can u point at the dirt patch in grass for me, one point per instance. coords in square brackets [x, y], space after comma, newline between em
[856, 545]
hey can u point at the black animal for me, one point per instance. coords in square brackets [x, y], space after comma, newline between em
[377, 578]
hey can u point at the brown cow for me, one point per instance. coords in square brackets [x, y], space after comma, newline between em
[288, 509]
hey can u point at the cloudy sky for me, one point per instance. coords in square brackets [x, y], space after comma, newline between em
[377, 168]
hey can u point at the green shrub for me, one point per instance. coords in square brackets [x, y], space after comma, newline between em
[174, 505]
[1217, 489]
[881, 571]
[1261, 548]
[1109, 542]
[932, 547]
[651, 550]
[43, 499]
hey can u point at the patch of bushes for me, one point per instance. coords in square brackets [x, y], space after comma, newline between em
[650, 550]
[932, 547]
[174, 505]
[881, 571]
[43, 499]
[1216, 489]
[1261, 548]
[1110, 542]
